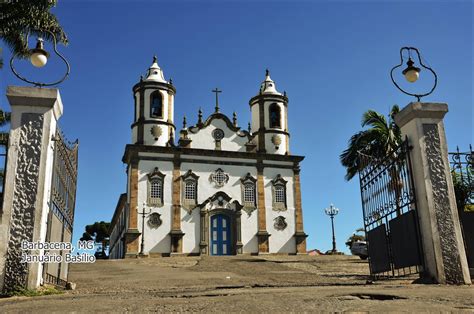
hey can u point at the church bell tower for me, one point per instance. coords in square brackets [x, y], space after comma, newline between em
[154, 109]
[269, 119]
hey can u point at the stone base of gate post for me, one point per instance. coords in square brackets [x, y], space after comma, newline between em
[34, 115]
[441, 237]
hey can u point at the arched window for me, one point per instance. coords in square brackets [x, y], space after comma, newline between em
[189, 190]
[279, 193]
[155, 188]
[275, 116]
[156, 105]
[249, 191]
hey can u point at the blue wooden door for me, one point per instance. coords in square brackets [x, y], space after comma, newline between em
[220, 235]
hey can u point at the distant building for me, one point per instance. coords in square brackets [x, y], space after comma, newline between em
[220, 190]
[314, 252]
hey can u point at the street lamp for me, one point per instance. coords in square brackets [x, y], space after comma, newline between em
[39, 57]
[332, 211]
[411, 72]
[143, 213]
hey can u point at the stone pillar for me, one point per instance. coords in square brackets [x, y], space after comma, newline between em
[132, 235]
[262, 234]
[443, 248]
[176, 234]
[300, 236]
[35, 112]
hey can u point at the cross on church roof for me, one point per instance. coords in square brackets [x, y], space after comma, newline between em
[217, 91]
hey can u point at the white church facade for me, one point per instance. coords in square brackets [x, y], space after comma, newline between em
[218, 190]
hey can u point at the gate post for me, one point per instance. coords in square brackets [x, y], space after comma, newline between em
[34, 116]
[443, 248]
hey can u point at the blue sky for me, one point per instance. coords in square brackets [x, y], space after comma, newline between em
[332, 57]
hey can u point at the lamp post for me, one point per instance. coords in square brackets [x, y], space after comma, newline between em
[39, 57]
[332, 211]
[411, 72]
[143, 213]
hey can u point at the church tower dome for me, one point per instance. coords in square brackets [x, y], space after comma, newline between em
[154, 109]
[269, 118]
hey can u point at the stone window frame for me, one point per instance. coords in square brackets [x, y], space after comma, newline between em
[248, 179]
[279, 182]
[152, 96]
[155, 176]
[274, 107]
[189, 176]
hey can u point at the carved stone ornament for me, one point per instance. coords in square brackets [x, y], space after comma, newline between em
[280, 223]
[442, 208]
[156, 131]
[218, 134]
[219, 177]
[220, 200]
[276, 140]
[24, 199]
[154, 220]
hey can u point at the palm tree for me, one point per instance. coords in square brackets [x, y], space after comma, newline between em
[20, 18]
[4, 119]
[373, 144]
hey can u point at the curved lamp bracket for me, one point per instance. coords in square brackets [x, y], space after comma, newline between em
[40, 84]
[418, 96]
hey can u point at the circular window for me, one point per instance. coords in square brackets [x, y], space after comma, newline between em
[218, 134]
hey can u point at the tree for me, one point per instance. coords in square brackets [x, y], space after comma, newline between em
[20, 18]
[356, 237]
[99, 233]
[463, 189]
[372, 144]
[4, 120]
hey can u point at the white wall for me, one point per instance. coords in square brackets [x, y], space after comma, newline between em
[281, 241]
[231, 142]
[271, 148]
[148, 138]
[255, 118]
[158, 241]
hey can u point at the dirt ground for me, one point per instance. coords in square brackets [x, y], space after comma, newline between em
[240, 284]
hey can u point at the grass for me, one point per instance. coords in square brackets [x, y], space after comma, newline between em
[22, 292]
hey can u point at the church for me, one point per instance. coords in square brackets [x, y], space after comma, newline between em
[216, 190]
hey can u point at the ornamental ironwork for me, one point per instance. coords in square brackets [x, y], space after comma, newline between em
[390, 215]
[64, 179]
[462, 172]
[219, 177]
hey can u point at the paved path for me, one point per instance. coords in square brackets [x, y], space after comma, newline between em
[241, 284]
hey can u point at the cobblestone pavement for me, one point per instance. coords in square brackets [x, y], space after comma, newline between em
[241, 284]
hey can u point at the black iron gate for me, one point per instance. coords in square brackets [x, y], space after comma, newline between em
[390, 215]
[62, 204]
[3, 165]
[462, 170]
